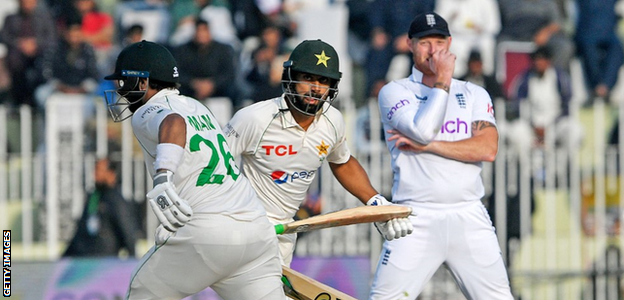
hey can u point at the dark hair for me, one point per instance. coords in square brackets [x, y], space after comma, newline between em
[541, 52]
[136, 28]
[200, 22]
[474, 56]
[113, 164]
[161, 85]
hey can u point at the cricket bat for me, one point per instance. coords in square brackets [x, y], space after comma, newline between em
[301, 287]
[356, 215]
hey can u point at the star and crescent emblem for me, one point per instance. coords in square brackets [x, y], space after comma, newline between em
[322, 148]
[322, 58]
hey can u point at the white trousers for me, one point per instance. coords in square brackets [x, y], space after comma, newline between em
[460, 235]
[238, 260]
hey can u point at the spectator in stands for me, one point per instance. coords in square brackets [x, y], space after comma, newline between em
[475, 25]
[216, 12]
[249, 20]
[8, 7]
[134, 34]
[546, 91]
[265, 76]
[183, 16]
[108, 223]
[27, 34]
[476, 75]
[153, 15]
[358, 46]
[388, 20]
[540, 22]
[98, 30]
[219, 17]
[71, 68]
[209, 66]
[598, 45]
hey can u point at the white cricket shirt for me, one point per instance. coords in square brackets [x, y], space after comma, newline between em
[425, 177]
[279, 157]
[208, 177]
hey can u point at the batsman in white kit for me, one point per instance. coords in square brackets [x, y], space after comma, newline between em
[214, 231]
[284, 141]
[439, 131]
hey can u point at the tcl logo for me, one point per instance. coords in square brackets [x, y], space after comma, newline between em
[279, 150]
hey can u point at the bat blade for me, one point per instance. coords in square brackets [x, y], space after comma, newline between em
[306, 288]
[356, 215]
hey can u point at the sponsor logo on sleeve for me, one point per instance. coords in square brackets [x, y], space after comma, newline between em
[396, 107]
[229, 131]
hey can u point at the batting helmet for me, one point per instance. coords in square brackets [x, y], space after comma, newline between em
[313, 57]
[148, 60]
[139, 60]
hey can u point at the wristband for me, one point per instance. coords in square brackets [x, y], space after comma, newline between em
[168, 156]
[442, 86]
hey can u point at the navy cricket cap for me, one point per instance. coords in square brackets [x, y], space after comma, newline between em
[428, 24]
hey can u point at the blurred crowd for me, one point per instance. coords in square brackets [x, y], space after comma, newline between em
[232, 51]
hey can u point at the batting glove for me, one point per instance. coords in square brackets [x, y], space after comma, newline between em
[392, 229]
[172, 211]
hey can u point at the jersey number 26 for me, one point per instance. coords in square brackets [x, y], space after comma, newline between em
[208, 175]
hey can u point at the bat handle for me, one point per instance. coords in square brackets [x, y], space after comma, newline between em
[279, 228]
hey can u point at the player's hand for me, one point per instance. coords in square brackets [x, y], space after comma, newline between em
[172, 211]
[395, 228]
[404, 143]
[162, 235]
[442, 63]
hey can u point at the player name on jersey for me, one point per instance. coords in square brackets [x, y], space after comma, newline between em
[201, 123]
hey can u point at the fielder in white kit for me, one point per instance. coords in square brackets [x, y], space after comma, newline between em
[440, 130]
[283, 141]
[214, 231]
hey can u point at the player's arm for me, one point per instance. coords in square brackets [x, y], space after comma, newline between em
[354, 179]
[423, 122]
[172, 211]
[482, 146]
[172, 130]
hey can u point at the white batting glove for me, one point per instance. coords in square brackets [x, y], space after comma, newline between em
[172, 211]
[392, 229]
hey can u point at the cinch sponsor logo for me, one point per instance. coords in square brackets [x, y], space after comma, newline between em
[396, 107]
[456, 126]
[279, 150]
[280, 177]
